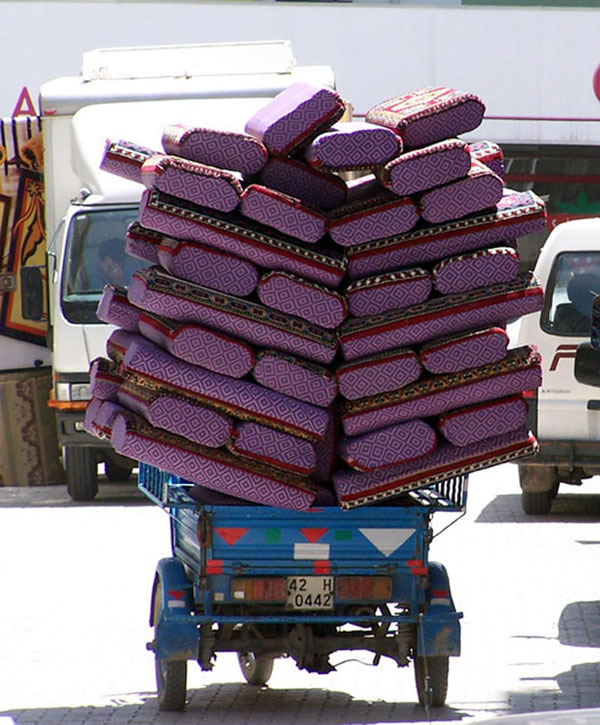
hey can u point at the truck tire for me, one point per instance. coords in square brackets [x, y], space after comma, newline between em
[431, 677]
[539, 485]
[171, 675]
[536, 503]
[81, 472]
[256, 670]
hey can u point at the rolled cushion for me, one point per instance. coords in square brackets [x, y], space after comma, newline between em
[319, 189]
[480, 189]
[378, 373]
[357, 489]
[517, 214]
[427, 167]
[390, 291]
[436, 394]
[296, 296]
[143, 243]
[195, 182]
[105, 378]
[388, 447]
[118, 341]
[199, 345]
[429, 114]
[295, 377]
[353, 145]
[217, 469]
[153, 290]
[468, 425]
[115, 308]
[149, 366]
[490, 154]
[235, 234]
[466, 350]
[125, 159]
[209, 267]
[476, 269]
[273, 447]
[440, 316]
[99, 417]
[283, 212]
[295, 115]
[224, 149]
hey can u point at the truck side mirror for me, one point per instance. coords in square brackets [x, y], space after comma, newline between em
[32, 293]
[587, 364]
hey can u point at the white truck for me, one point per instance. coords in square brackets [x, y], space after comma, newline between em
[130, 94]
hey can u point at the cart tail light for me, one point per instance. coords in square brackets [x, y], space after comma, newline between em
[259, 589]
[363, 588]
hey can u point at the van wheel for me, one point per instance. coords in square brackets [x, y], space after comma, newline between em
[536, 502]
[81, 472]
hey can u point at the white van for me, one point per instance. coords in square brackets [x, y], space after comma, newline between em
[563, 413]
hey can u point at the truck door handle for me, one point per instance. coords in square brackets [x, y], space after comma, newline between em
[593, 405]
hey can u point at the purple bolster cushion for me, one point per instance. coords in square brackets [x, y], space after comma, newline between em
[115, 308]
[389, 291]
[476, 269]
[465, 350]
[105, 378]
[378, 373]
[125, 158]
[490, 154]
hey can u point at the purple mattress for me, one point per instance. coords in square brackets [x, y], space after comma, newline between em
[195, 182]
[484, 267]
[517, 214]
[441, 316]
[388, 447]
[223, 149]
[118, 342]
[378, 373]
[273, 447]
[390, 291]
[427, 167]
[357, 489]
[294, 116]
[480, 189]
[476, 422]
[208, 266]
[295, 377]
[156, 291]
[283, 212]
[235, 234]
[99, 417]
[429, 114]
[143, 243]
[319, 189]
[199, 345]
[435, 394]
[297, 296]
[354, 145]
[464, 350]
[115, 308]
[490, 154]
[214, 468]
[105, 378]
[125, 159]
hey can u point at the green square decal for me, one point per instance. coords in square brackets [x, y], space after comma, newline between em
[273, 536]
[343, 536]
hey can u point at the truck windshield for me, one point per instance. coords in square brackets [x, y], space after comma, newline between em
[95, 256]
[573, 283]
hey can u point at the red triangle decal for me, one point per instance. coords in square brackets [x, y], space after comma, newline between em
[313, 535]
[231, 535]
[24, 105]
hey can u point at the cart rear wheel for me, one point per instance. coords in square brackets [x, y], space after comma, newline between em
[536, 502]
[171, 675]
[256, 670]
[431, 676]
[81, 472]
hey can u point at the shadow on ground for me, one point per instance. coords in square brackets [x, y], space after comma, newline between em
[567, 507]
[110, 493]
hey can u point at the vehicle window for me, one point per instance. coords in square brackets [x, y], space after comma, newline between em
[573, 283]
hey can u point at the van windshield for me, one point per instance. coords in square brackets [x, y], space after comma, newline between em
[573, 283]
[95, 256]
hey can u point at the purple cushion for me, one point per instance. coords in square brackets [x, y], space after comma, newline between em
[195, 182]
[388, 447]
[99, 417]
[283, 212]
[143, 243]
[294, 116]
[468, 425]
[482, 268]
[357, 489]
[125, 158]
[390, 291]
[273, 447]
[319, 189]
[464, 350]
[429, 114]
[223, 149]
[115, 308]
[297, 296]
[118, 341]
[427, 167]
[378, 373]
[490, 154]
[105, 378]
[353, 145]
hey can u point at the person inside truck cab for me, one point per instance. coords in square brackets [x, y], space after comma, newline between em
[106, 268]
[574, 316]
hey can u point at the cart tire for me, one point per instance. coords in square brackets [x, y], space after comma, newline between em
[81, 472]
[114, 472]
[171, 675]
[536, 502]
[431, 676]
[256, 670]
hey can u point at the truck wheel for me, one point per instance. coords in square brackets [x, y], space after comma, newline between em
[171, 675]
[115, 472]
[256, 670]
[431, 676]
[536, 502]
[82, 473]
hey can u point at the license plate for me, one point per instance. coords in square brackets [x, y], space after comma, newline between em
[309, 592]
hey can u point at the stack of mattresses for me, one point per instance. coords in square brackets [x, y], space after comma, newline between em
[300, 339]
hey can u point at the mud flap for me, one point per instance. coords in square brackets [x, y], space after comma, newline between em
[438, 631]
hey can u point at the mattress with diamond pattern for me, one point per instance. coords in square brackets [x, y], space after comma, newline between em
[125, 159]
[392, 290]
[482, 268]
[453, 353]
[379, 373]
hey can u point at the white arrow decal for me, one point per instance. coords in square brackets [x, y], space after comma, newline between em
[387, 540]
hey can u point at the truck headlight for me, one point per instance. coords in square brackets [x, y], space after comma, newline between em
[72, 391]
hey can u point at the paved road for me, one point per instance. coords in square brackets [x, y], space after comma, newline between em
[75, 590]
